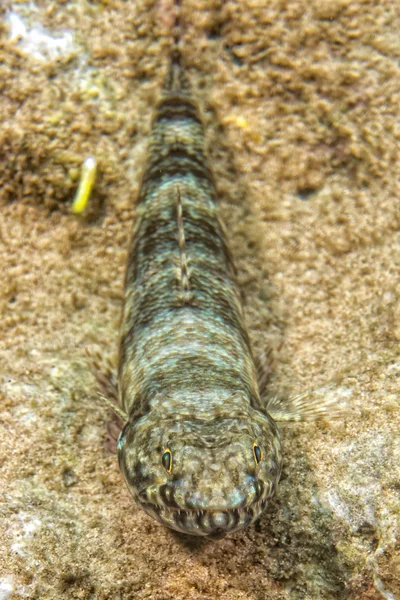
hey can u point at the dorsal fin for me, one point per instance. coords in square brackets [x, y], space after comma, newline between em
[184, 274]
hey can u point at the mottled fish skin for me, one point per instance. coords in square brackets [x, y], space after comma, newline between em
[199, 452]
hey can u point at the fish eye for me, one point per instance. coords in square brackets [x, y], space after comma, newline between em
[257, 453]
[166, 460]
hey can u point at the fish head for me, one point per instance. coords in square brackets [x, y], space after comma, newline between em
[206, 478]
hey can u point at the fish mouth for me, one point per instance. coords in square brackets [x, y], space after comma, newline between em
[210, 524]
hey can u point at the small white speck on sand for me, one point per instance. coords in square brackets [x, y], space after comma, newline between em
[22, 531]
[6, 588]
[37, 41]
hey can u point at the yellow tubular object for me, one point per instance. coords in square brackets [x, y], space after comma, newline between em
[88, 176]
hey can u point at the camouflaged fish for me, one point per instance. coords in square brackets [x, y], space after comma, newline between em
[200, 450]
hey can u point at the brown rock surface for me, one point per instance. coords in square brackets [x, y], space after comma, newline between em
[302, 106]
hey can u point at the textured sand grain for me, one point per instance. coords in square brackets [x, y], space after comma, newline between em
[302, 106]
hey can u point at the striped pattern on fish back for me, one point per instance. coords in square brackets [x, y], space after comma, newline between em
[182, 335]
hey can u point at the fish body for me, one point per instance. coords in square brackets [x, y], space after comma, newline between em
[199, 452]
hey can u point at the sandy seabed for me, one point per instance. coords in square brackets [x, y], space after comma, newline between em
[301, 102]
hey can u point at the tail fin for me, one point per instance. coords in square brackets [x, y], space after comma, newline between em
[176, 80]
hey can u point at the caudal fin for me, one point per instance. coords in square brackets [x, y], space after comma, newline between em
[176, 80]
